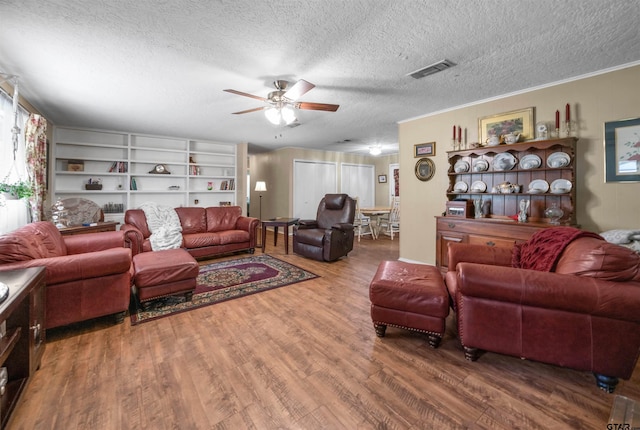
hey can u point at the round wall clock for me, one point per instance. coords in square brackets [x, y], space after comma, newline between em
[425, 168]
[160, 169]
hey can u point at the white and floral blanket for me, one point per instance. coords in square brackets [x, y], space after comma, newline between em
[628, 238]
[164, 225]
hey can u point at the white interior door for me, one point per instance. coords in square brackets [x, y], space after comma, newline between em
[358, 180]
[311, 181]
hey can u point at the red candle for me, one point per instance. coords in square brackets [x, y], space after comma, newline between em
[568, 113]
[454, 132]
[459, 134]
[557, 119]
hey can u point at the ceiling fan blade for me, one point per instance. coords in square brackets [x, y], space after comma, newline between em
[240, 93]
[250, 110]
[317, 106]
[298, 89]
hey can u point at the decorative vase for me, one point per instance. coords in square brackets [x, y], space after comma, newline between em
[554, 213]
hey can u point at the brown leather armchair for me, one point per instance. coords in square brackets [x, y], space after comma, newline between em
[582, 314]
[330, 235]
[87, 275]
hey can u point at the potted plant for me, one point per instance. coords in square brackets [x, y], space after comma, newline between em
[17, 190]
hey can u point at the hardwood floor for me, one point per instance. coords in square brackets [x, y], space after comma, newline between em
[304, 356]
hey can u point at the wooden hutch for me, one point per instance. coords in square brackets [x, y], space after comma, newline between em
[486, 166]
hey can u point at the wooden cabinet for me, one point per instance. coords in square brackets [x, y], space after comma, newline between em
[22, 345]
[124, 164]
[497, 226]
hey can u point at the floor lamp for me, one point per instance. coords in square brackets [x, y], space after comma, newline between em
[260, 187]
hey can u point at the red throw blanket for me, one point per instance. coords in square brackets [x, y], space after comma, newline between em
[543, 250]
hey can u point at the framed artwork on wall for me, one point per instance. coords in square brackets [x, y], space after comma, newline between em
[424, 150]
[425, 168]
[622, 150]
[382, 179]
[517, 122]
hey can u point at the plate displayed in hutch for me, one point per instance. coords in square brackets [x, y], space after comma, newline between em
[504, 161]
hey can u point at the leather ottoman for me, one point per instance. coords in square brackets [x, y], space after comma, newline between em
[164, 273]
[409, 296]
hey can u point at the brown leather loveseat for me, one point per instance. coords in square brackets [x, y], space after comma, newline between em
[206, 232]
[581, 311]
[87, 275]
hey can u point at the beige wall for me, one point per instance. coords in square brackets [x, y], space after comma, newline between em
[594, 100]
[276, 168]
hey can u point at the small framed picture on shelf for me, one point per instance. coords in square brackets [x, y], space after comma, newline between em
[382, 179]
[516, 122]
[622, 150]
[424, 150]
[75, 166]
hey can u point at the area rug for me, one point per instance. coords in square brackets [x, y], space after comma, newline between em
[226, 280]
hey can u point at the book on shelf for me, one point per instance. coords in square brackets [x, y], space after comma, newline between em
[133, 186]
[119, 167]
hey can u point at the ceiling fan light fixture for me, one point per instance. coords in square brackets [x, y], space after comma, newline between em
[273, 115]
[288, 114]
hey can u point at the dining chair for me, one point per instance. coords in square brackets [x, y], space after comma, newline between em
[362, 223]
[390, 224]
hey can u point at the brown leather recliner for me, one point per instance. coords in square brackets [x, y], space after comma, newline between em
[330, 235]
[583, 314]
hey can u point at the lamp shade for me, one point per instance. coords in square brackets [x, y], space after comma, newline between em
[261, 186]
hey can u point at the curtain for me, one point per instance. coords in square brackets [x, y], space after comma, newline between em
[36, 147]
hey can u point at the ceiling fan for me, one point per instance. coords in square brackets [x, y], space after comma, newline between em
[282, 102]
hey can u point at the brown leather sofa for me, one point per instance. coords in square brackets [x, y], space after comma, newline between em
[583, 314]
[206, 232]
[330, 235]
[87, 275]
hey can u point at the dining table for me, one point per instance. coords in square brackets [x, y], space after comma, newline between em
[375, 213]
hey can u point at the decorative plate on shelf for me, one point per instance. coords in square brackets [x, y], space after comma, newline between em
[461, 167]
[558, 159]
[460, 187]
[560, 186]
[481, 166]
[531, 161]
[478, 187]
[538, 186]
[504, 161]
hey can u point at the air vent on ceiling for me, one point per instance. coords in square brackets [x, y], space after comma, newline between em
[430, 70]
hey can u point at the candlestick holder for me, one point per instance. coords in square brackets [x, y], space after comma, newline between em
[567, 128]
[556, 132]
[455, 145]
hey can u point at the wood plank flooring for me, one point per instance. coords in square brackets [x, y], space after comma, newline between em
[304, 356]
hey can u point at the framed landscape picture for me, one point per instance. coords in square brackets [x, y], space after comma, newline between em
[622, 150]
[517, 121]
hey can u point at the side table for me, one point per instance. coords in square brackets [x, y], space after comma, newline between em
[82, 229]
[275, 223]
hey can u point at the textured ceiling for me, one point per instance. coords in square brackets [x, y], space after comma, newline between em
[159, 66]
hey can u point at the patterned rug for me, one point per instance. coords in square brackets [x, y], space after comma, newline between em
[223, 281]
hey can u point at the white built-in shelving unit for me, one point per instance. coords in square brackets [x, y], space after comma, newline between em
[201, 173]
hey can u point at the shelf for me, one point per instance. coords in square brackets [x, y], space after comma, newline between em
[7, 343]
[519, 147]
[95, 145]
[532, 171]
[103, 191]
[83, 173]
